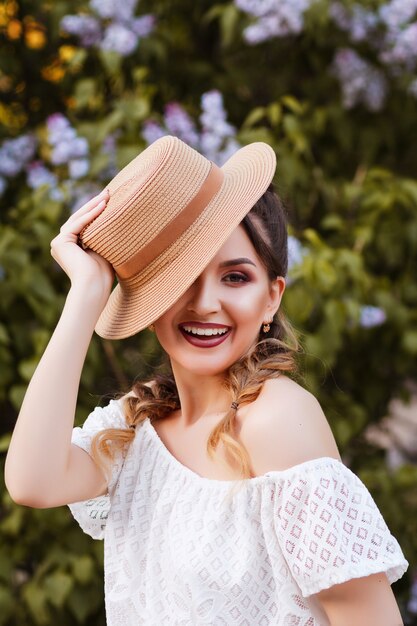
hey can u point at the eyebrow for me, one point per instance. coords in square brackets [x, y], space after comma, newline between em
[239, 261]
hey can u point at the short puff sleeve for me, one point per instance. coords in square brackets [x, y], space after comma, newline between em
[330, 529]
[92, 514]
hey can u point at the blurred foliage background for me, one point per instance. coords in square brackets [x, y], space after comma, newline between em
[332, 87]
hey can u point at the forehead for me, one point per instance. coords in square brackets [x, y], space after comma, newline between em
[237, 245]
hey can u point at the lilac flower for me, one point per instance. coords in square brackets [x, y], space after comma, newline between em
[179, 123]
[275, 19]
[403, 50]
[86, 27]
[77, 168]
[412, 602]
[151, 131]
[109, 148]
[38, 174]
[114, 9]
[82, 194]
[3, 185]
[218, 141]
[296, 252]
[360, 81]
[397, 13]
[116, 29]
[358, 21]
[64, 152]
[371, 316]
[119, 38]
[144, 25]
[67, 147]
[15, 153]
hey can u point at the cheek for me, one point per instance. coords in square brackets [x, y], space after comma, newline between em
[248, 305]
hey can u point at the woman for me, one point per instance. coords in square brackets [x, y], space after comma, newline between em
[218, 488]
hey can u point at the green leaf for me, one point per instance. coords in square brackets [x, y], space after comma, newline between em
[57, 587]
[27, 368]
[5, 442]
[35, 598]
[409, 341]
[293, 104]
[83, 568]
[4, 335]
[17, 393]
[254, 117]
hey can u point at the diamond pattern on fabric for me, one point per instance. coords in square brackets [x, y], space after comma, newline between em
[184, 550]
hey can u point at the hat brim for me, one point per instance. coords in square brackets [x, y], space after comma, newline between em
[139, 301]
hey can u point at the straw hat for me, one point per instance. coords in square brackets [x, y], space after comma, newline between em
[169, 212]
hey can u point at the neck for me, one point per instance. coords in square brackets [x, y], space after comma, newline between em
[201, 396]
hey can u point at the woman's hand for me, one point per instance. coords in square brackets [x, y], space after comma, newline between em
[83, 267]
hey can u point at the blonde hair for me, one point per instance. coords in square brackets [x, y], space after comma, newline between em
[274, 353]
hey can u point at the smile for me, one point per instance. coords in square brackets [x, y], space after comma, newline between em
[205, 338]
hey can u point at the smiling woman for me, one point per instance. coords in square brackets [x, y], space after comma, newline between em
[218, 487]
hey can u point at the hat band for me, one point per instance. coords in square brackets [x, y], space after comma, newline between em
[174, 228]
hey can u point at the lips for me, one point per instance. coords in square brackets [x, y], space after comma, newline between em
[206, 335]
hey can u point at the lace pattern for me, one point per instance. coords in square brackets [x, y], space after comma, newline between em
[177, 552]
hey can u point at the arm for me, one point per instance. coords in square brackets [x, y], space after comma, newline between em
[42, 468]
[363, 601]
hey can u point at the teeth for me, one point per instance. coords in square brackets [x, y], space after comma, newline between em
[205, 331]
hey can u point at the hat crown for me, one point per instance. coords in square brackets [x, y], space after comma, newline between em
[145, 196]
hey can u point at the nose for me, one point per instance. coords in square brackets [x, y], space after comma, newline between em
[203, 297]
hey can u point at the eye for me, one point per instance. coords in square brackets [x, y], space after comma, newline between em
[237, 278]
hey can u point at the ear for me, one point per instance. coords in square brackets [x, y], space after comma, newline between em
[276, 291]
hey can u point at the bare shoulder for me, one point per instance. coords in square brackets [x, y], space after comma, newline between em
[286, 426]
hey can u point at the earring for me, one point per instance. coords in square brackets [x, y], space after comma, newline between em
[266, 326]
[151, 327]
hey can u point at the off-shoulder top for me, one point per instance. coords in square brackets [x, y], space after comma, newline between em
[185, 550]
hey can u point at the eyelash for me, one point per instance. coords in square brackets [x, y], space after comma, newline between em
[244, 278]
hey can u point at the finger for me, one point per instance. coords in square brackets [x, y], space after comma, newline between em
[76, 225]
[91, 204]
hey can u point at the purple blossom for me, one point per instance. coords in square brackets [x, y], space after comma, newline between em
[15, 153]
[397, 13]
[86, 27]
[218, 141]
[119, 38]
[412, 602]
[64, 151]
[66, 145]
[77, 168]
[59, 129]
[275, 19]
[179, 123]
[3, 185]
[115, 29]
[296, 252]
[403, 50]
[109, 148]
[371, 316]
[37, 175]
[82, 194]
[144, 25]
[360, 81]
[151, 131]
[360, 22]
[114, 9]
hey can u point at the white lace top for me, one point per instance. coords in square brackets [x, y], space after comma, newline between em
[183, 550]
